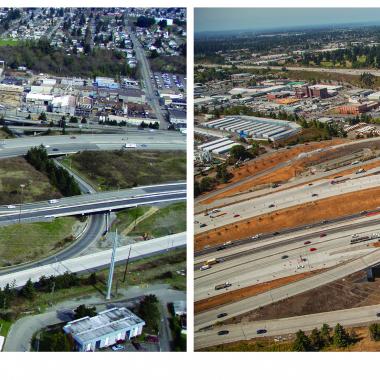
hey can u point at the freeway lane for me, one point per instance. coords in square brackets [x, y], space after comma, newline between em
[209, 318]
[268, 262]
[81, 207]
[245, 247]
[157, 140]
[283, 199]
[96, 260]
[245, 331]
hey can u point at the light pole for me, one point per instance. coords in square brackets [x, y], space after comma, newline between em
[22, 191]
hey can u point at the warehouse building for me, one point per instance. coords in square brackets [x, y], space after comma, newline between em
[105, 329]
[255, 127]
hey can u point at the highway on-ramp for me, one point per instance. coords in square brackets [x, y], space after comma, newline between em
[88, 263]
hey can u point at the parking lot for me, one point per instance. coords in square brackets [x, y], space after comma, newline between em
[168, 81]
[135, 347]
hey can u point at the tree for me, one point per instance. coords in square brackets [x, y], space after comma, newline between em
[340, 338]
[42, 116]
[238, 152]
[367, 79]
[374, 331]
[222, 173]
[154, 54]
[325, 334]
[82, 311]
[315, 340]
[54, 342]
[28, 291]
[302, 342]
[149, 312]
[207, 184]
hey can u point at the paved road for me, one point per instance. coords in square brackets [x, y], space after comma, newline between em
[259, 262]
[93, 203]
[96, 260]
[22, 331]
[290, 197]
[146, 73]
[278, 327]
[157, 140]
[209, 318]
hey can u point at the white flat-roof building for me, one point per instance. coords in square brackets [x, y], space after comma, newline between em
[105, 329]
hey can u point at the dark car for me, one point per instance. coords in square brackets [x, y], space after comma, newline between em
[276, 233]
[136, 345]
[221, 315]
[221, 247]
[203, 225]
[272, 205]
[261, 331]
[322, 235]
[284, 257]
[314, 195]
[377, 314]
[307, 242]
[223, 332]
[236, 215]
[55, 149]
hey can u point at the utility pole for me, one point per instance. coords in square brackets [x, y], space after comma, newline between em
[126, 264]
[22, 189]
[112, 267]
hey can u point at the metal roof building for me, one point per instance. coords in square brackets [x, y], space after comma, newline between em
[105, 329]
[256, 127]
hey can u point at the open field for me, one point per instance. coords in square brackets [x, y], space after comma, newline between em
[20, 243]
[121, 169]
[152, 222]
[307, 213]
[9, 42]
[16, 171]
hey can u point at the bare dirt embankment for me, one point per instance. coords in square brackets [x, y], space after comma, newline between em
[255, 167]
[349, 292]
[306, 213]
[268, 162]
[249, 291]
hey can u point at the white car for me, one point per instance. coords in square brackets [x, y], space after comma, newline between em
[52, 201]
[11, 206]
[118, 347]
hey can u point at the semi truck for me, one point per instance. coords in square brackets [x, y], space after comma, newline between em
[225, 285]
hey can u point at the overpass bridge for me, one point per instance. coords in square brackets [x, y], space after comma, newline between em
[93, 203]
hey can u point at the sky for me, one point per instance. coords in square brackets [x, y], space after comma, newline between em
[226, 19]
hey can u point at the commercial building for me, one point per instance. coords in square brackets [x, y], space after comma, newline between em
[357, 108]
[255, 127]
[105, 329]
[177, 116]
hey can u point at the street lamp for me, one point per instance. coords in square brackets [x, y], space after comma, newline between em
[22, 191]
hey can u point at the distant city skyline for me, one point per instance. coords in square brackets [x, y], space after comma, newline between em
[256, 19]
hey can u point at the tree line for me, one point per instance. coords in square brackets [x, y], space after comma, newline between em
[58, 176]
[323, 338]
[11, 296]
[41, 56]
